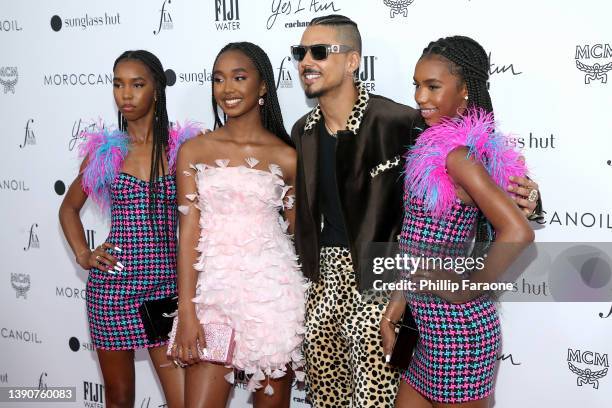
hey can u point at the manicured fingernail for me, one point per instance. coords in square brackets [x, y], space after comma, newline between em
[388, 358]
[117, 249]
[512, 178]
[119, 264]
[510, 188]
[117, 269]
[111, 272]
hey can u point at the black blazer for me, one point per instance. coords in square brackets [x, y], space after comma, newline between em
[369, 165]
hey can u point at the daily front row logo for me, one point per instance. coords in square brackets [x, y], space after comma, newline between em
[165, 19]
[398, 7]
[599, 70]
[592, 374]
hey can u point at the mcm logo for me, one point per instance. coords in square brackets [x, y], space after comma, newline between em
[21, 283]
[29, 139]
[586, 376]
[398, 7]
[165, 19]
[284, 75]
[597, 71]
[8, 78]
[33, 241]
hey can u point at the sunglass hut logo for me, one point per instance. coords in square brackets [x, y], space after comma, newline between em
[597, 71]
[227, 15]
[398, 7]
[592, 373]
[85, 22]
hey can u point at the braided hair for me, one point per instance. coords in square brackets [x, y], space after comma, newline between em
[470, 63]
[160, 126]
[270, 112]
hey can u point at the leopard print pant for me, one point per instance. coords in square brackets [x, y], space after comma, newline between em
[345, 364]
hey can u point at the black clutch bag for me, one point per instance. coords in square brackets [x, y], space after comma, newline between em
[405, 341]
[157, 316]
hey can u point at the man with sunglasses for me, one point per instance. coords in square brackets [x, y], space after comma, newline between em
[349, 194]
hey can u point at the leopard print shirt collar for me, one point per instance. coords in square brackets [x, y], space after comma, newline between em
[354, 121]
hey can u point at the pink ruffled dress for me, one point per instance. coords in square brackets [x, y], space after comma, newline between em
[249, 274]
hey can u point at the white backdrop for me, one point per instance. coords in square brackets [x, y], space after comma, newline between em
[55, 76]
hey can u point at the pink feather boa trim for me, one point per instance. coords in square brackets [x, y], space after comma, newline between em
[106, 149]
[425, 174]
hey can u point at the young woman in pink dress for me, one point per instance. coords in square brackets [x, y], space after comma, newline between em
[237, 264]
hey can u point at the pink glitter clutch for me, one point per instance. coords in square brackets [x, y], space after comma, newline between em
[219, 342]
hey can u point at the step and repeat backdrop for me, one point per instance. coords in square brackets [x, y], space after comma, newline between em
[551, 84]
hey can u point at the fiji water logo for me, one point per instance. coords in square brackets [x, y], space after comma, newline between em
[165, 19]
[227, 15]
[398, 7]
[367, 72]
[597, 71]
[588, 375]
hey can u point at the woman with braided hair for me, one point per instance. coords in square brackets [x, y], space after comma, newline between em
[459, 169]
[237, 266]
[129, 172]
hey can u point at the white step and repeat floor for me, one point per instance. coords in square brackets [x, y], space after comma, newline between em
[550, 62]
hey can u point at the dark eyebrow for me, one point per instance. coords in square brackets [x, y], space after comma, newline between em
[235, 71]
[133, 79]
[427, 81]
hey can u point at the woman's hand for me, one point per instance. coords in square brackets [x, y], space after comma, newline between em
[387, 331]
[189, 341]
[100, 258]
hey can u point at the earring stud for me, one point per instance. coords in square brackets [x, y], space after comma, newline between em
[261, 101]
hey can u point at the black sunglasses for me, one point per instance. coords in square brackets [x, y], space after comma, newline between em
[318, 51]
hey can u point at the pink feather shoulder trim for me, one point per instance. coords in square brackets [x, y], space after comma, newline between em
[425, 173]
[177, 136]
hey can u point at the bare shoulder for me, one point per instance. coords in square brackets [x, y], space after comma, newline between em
[283, 155]
[195, 147]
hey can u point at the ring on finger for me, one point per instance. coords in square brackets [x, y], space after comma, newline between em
[97, 257]
[533, 195]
